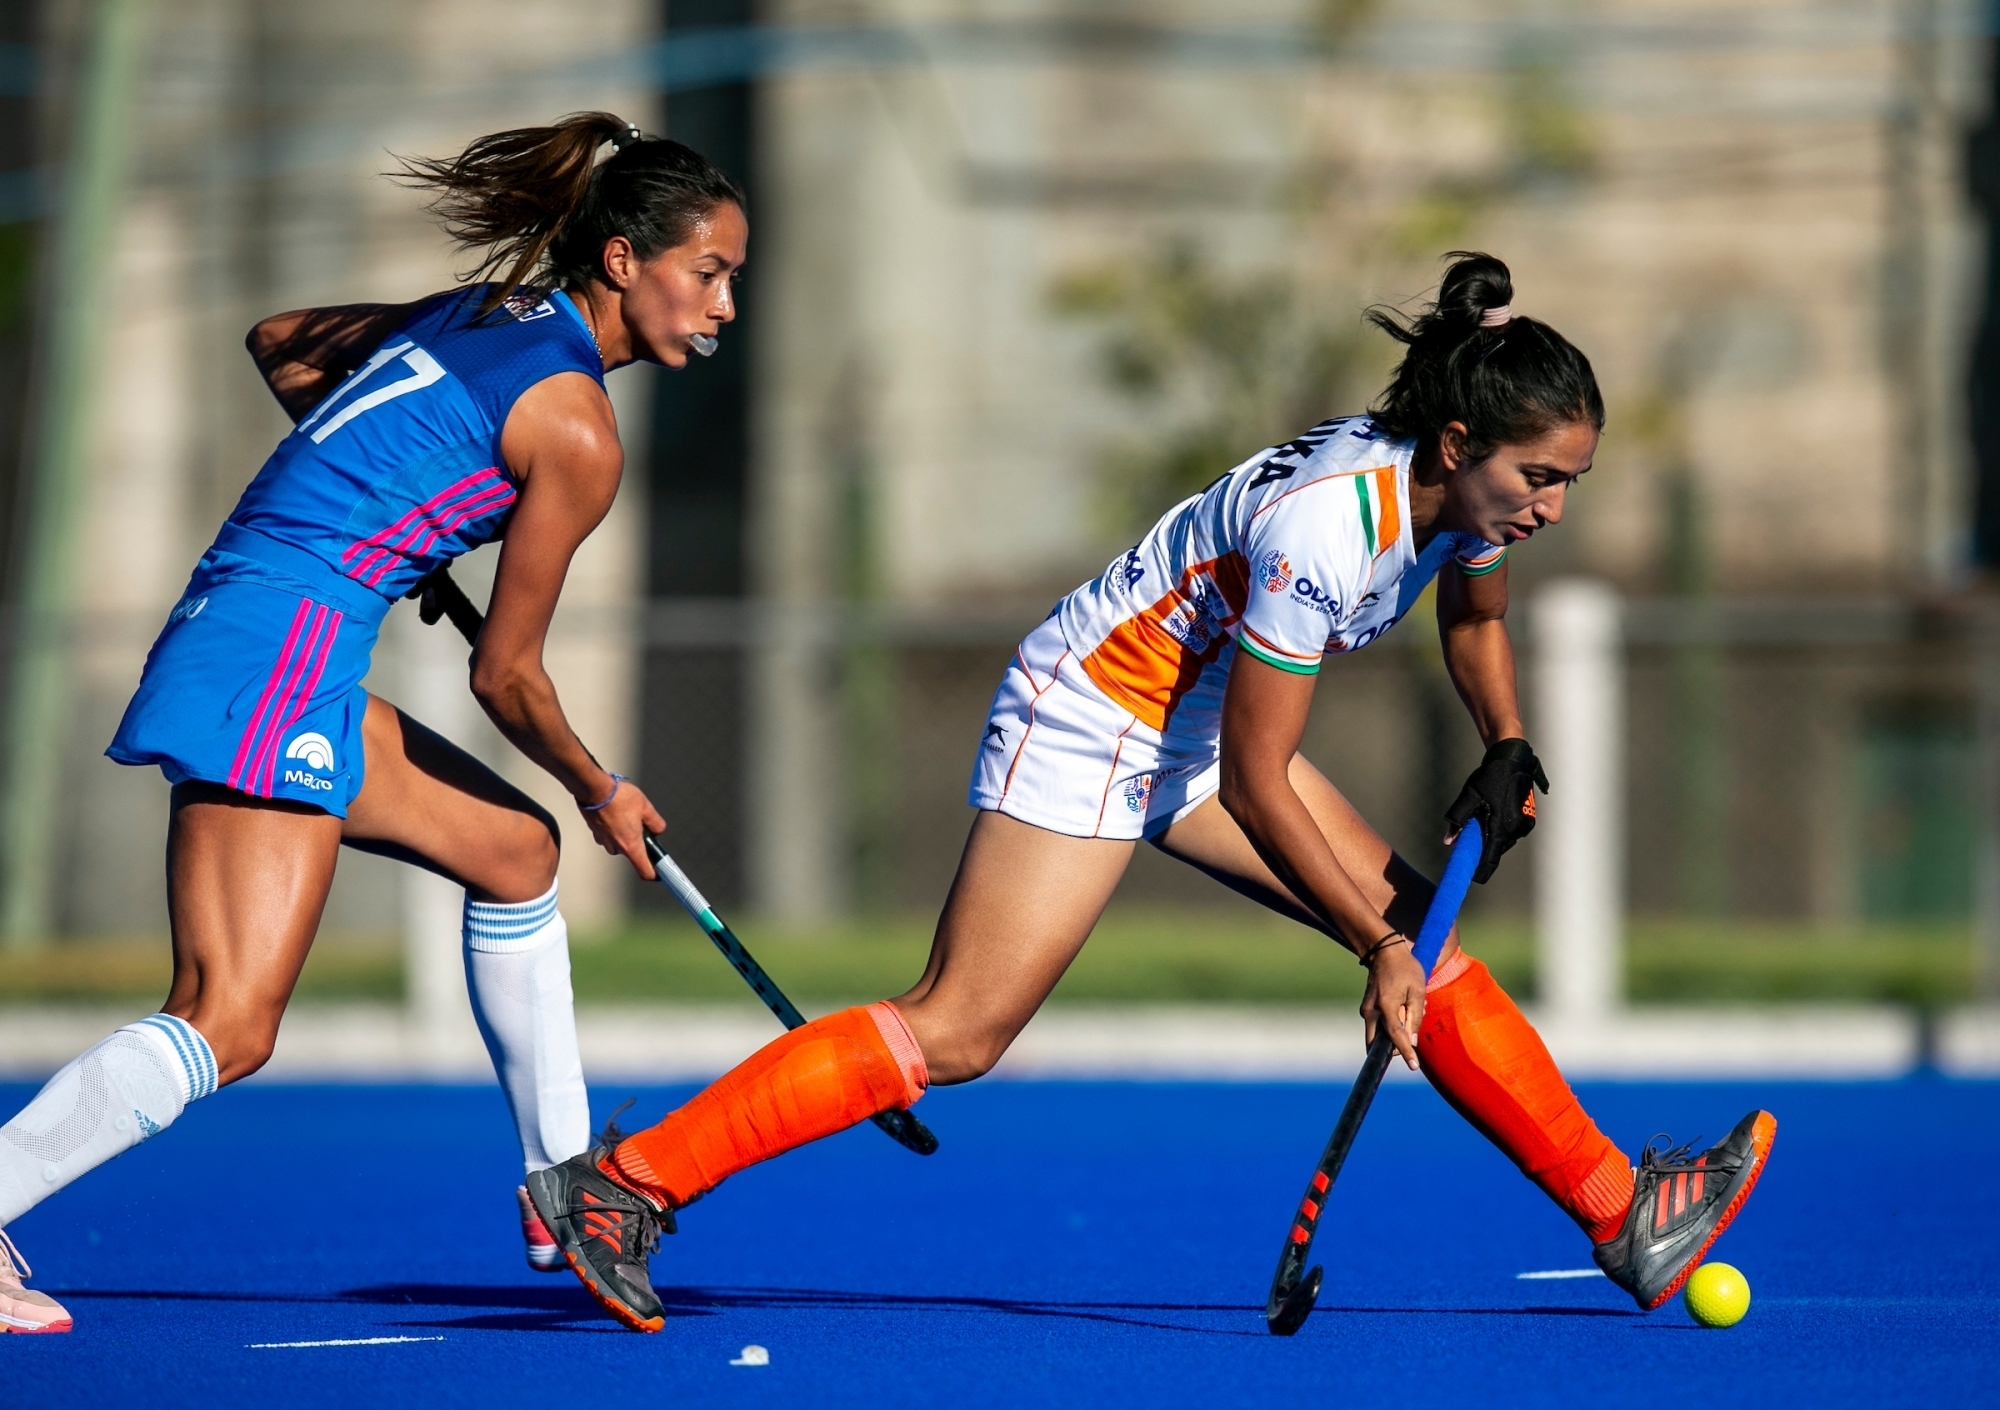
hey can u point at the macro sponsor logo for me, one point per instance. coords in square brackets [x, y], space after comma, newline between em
[312, 749]
[1138, 790]
[1307, 593]
[1274, 571]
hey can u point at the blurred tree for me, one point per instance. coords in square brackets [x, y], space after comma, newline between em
[1229, 363]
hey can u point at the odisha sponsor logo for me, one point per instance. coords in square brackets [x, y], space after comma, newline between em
[1309, 594]
[1274, 571]
[1137, 790]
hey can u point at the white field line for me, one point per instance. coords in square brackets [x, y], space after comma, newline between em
[353, 1341]
[1551, 1273]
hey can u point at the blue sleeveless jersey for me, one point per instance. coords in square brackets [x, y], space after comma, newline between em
[399, 469]
[255, 682]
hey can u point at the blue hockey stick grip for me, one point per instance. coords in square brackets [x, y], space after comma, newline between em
[1457, 880]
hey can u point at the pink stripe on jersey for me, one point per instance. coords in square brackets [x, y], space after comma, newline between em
[263, 756]
[423, 536]
[428, 522]
[245, 749]
[302, 699]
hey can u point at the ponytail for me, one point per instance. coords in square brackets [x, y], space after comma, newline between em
[535, 201]
[1507, 379]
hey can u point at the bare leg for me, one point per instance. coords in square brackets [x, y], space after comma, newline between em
[1024, 901]
[247, 878]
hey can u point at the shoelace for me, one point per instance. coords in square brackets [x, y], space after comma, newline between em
[1670, 1157]
[16, 1264]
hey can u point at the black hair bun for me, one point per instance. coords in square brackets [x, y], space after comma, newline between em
[1473, 284]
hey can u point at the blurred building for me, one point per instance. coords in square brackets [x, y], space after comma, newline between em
[1021, 276]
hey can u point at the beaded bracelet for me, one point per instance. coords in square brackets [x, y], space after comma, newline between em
[1379, 946]
[616, 781]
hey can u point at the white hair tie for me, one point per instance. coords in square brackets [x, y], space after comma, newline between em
[1496, 317]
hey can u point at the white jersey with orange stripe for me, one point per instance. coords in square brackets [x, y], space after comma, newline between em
[1302, 550]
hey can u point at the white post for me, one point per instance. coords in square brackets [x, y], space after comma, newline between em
[1579, 725]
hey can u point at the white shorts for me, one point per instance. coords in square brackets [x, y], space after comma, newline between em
[1060, 754]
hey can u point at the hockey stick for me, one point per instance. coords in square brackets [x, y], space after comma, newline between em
[1293, 1291]
[438, 596]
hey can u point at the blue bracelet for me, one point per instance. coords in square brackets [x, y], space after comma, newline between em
[616, 780]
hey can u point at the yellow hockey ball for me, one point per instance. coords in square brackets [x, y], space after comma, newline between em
[1717, 1295]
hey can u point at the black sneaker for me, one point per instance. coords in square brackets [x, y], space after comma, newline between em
[606, 1233]
[1681, 1205]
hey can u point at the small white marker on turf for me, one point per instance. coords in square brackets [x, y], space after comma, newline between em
[356, 1341]
[1548, 1273]
[753, 1356]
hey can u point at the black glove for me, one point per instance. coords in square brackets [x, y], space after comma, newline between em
[1501, 794]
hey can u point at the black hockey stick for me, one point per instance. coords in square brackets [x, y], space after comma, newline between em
[438, 596]
[1293, 1290]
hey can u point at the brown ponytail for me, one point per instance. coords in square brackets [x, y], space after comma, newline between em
[535, 200]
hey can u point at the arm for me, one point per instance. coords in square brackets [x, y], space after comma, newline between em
[561, 444]
[304, 354]
[1263, 719]
[1472, 622]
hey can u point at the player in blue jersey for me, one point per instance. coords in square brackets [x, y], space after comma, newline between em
[423, 431]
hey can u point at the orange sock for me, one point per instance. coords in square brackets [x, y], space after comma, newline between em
[1484, 1058]
[814, 1081]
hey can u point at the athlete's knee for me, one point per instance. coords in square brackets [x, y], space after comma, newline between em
[962, 1053]
[242, 1037]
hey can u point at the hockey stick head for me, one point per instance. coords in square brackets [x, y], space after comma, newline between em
[1287, 1314]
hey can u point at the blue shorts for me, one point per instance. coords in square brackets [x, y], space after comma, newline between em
[255, 683]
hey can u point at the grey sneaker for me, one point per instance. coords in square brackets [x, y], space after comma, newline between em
[1680, 1206]
[23, 1309]
[606, 1233]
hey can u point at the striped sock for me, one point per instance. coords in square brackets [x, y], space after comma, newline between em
[517, 972]
[129, 1087]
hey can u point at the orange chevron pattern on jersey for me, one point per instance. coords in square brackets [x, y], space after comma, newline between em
[1149, 661]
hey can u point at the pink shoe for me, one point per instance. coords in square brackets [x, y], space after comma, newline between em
[544, 1254]
[23, 1309]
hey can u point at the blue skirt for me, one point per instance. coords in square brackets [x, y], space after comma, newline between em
[255, 682]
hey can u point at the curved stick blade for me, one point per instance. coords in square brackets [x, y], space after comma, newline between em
[1289, 1315]
[907, 1131]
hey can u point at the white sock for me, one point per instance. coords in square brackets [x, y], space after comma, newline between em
[517, 971]
[126, 1088]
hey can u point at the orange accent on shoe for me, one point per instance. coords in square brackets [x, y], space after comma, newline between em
[1660, 1218]
[815, 1080]
[1761, 1136]
[1528, 805]
[1484, 1057]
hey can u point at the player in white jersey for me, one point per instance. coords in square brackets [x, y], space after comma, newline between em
[1305, 550]
[1166, 700]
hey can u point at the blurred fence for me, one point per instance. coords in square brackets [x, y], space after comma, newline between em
[1815, 760]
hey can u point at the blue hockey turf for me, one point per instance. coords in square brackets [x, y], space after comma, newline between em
[1071, 1244]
